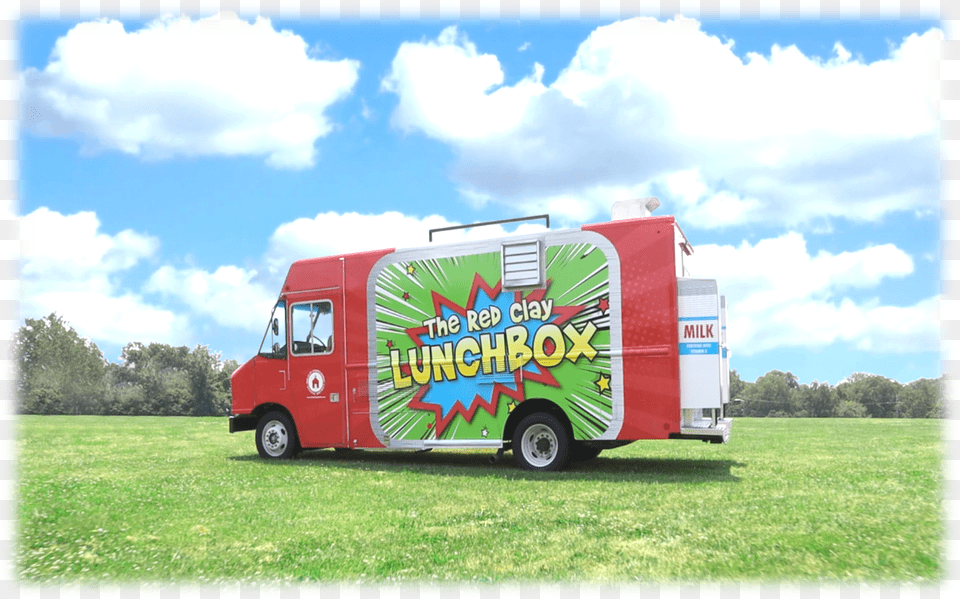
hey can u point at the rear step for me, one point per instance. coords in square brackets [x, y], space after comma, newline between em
[695, 426]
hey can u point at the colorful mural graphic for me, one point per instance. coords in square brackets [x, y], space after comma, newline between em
[456, 352]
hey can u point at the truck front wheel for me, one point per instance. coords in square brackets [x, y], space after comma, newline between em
[276, 436]
[541, 443]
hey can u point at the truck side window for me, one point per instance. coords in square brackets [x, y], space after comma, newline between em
[311, 328]
[275, 339]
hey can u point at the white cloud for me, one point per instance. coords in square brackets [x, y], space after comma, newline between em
[239, 298]
[102, 316]
[231, 296]
[695, 203]
[443, 89]
[68, 266]
[178, 87]
[780, 296]
[71, 246]
[778, 138]
[333, 233]
[72, 268]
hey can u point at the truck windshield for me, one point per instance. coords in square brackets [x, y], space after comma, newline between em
[275, 339]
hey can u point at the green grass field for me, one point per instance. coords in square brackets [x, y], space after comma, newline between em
[126, 499]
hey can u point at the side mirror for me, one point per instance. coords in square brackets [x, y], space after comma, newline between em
[276, 326]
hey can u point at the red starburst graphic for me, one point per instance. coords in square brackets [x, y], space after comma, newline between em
[537, 374]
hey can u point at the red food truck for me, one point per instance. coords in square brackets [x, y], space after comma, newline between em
[556, 346]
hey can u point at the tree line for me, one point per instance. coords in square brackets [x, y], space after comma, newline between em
[779, 395]
[60, 372]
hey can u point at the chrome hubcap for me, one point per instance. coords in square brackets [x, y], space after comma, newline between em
[539, 445]
[275, 437]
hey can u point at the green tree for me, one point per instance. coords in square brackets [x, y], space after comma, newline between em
[59, 372]
[62, 373]
[163, 380]
[876, 393]
[816, 400]
[851, 409]
[207, 384]
[923, 398]
[223, 382]
[772, 395]
[737, 386]
[161, 373]
[123, 397]
[738, 390]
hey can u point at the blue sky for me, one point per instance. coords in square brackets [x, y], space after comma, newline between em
[170, 171]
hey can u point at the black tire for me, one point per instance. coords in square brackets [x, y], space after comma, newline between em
[541, 443]
[276, 437]
[582, 453]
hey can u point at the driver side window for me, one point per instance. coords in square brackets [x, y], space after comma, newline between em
[311, 328]
[274, 343]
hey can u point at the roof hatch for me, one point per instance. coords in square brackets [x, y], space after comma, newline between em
[522, 264]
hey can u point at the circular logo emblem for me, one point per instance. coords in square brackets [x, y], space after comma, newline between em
[315, 382]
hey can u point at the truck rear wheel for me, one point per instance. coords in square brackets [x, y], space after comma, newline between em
[541, 443]
[276, 436]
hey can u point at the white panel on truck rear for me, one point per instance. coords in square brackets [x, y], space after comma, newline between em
[701, 383]
[724, 354]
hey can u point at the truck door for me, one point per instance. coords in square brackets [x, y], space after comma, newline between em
[316, 369]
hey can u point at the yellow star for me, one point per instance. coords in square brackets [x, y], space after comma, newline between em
[603, 383]
[411, 269]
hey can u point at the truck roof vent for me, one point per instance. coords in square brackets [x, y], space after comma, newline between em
[634, 208]
[522, 265]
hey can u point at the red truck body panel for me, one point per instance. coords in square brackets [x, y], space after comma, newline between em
[648, 283]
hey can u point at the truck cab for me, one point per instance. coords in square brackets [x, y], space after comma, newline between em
[298, 376]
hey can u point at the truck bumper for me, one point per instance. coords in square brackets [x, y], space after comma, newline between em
[706, 430]
[242, 422]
